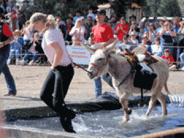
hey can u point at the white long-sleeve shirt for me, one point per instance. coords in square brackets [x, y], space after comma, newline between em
[79, 33]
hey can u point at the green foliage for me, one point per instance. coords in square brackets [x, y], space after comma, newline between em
[168, 8]
[150, 7]
[54, 6]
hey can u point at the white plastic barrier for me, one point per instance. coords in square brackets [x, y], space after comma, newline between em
[79, 54]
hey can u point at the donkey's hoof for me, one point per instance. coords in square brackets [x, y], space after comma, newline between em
[125, 121]
[129, 111]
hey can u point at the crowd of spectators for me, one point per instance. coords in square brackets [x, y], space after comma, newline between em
[156, 35]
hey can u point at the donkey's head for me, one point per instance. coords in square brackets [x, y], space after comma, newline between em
[99, 60]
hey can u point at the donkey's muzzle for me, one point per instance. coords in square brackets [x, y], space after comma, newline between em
[90, 75]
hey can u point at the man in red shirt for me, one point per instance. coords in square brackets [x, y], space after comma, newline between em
[121, 29]
[103, 36]
[6, 37]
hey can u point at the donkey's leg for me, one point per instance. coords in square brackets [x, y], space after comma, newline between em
[152, 103]
[161, 98]
[124, 103]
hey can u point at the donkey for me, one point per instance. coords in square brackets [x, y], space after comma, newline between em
[105, 61]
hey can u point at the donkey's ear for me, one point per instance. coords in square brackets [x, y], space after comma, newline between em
[110, 47]
[90, 49]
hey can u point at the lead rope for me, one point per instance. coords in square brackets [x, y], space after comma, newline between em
[81, 67]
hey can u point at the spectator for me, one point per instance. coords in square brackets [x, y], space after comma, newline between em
[10, 20]
[76, 41]
[156, 47]
[146, 24]
[27, 34]
[133, 39]
[141, 24]
[10, 7]
[6, 38]
[132, 18]
[78, 16]
[160, 29]
[134, 28]
[167, 35]
[113, 20]
[62, 21]
[109, 22]
[33, 47]
[147, 20]
[2, 7]
[103, 36]
[64, 10]
[121, 29]
[180, 40]
[26, 9]
[152, 32]
[82, 21]
[77, 31]
[146, 43]
[88, 27]
[62, 27]
[20, 20]
[70, 15]
[155, 21]
[126, 44]
[141, 33]
[16, 47]
[175, 24]
[175, 28]
[91, 14]
[69, 26]
[182, 60]
[169, 59]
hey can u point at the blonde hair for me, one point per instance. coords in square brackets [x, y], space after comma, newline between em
[78, 20]
[27, 23]
[48, 21]
[167, 23]
[18, 32]
[51, 17]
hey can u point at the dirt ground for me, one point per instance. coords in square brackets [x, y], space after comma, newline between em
[29, 81]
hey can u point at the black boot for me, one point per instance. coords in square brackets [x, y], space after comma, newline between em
[66, 124]
[65, 116]
[70, 114]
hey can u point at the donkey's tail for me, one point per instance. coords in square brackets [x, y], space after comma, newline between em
[166, 89]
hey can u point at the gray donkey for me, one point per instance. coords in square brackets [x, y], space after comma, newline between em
[105, 61]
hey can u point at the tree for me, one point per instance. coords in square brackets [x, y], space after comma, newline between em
[121, 6]
[54, 6]
[169, 8]
[151, 8]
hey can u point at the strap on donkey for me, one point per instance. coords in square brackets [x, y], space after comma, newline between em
[144, 75]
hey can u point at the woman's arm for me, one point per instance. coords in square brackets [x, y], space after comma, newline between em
[161, 34]
[73, 31]
[58, 54]
[173, 33]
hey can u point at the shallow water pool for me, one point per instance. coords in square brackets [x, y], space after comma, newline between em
[110, 123]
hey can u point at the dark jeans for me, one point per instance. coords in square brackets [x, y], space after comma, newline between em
[56, 86]
[5, 70]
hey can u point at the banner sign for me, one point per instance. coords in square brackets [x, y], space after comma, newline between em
[79, 54]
